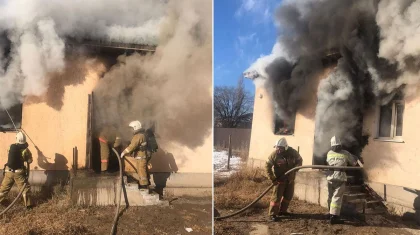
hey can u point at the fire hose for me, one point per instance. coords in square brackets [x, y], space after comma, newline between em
[117, 210]
[288, 172]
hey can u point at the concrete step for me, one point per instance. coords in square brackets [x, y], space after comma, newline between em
[142, 197]
[352, 180]
[353, 196]
[376, 211]
[354, 188]
[375, 204]
[101, 191]
[370, 206]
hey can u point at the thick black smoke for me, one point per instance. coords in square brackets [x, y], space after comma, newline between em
[370, 69]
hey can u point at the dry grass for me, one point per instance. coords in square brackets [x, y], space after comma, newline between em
[243, 154]
[55, 215]
[240, 189]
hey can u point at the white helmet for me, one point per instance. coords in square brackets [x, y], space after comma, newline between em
[20, 138]
[335, 141]
[281, 143]
[136, 125]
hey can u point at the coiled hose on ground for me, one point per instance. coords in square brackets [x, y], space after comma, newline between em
[117, 210]
[288, 172]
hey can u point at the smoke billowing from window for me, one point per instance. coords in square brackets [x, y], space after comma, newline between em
[379, 43]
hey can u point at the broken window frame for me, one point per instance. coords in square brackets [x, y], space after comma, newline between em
[393, 125]
[277, 118]
[17, 120]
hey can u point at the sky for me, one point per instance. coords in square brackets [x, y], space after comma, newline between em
[244, 30]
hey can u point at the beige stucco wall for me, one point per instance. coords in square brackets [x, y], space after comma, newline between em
[55, 131]
[390, 162]
[58, 131]
[262, 136]
[189, 160]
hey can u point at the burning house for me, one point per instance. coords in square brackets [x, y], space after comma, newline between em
[345, 68]
[63, 76]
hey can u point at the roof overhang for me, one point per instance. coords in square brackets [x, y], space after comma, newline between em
[112, 45]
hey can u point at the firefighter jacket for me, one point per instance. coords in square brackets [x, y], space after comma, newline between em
[18, 155]
[341, 158]
[283, 162]
[138, 145]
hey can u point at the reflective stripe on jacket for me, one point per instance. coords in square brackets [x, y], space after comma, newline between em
[342, 158]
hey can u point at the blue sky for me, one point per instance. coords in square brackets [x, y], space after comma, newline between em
[243, 31]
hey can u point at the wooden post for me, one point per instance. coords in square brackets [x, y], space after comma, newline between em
[76, 152]
[75, 160]
[230, 151]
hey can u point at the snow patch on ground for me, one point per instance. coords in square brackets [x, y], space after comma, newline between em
[220, 161]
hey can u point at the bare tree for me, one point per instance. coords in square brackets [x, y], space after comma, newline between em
[232, 106]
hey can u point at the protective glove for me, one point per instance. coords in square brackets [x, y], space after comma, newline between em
[274, 180]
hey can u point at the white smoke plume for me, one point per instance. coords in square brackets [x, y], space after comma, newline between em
[261, 63]
[171, 87]
[33, 35]
[399, 31]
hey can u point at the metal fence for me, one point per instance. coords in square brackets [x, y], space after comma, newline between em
[240, 138]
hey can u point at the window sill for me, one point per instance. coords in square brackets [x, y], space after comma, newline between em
[389, 140]
[9, 130]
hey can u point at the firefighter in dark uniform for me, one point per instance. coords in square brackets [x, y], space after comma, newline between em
[15, 170]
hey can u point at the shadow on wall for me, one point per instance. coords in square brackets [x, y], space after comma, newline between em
[416, 205]
[163, 165]
[57, 173]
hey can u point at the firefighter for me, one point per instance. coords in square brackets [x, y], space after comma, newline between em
[108, 136]
[138, 149]
[15, 170]
[282, 159]
[337, 179]
[152, 147]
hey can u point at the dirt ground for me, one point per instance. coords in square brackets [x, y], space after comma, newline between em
[57, 216]
[311, 219]
[243, 187]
